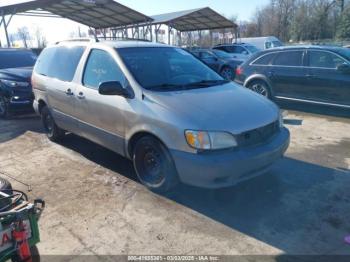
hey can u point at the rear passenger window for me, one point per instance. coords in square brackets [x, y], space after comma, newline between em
[264, 60]
[59, 62]
[101, 68]
[291, 58]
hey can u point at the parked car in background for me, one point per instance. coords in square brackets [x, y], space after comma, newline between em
[220, 61]
[16, 67]
[158, 105]
[239, 52]
[315, 74]
[262, 43]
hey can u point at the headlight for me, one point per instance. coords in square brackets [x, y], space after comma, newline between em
[11, 83]
[204, 140]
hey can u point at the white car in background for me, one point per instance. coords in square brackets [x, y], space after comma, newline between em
[262, 43]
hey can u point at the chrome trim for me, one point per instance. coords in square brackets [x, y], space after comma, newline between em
[313, 102]
[20, 102]
[305, 51]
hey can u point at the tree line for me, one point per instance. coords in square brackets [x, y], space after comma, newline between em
[300, 20]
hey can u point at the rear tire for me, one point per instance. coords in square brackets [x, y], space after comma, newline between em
[53, 132]
[260, 87]
[154, 165]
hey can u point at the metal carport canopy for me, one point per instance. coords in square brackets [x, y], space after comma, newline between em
[93, 13]
[193, 20]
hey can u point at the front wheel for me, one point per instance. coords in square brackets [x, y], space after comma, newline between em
[53, 132]
[227, 73]
[261, 88]
[154, 165]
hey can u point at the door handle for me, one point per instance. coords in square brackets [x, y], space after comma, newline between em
[81, 95]
[69, 92]
[271, 74]
[310, 76]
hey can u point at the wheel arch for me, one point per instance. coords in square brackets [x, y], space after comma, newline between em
[41, 105]
[259, 77]
[131, 142]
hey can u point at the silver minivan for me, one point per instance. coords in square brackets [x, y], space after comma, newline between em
[158, 105]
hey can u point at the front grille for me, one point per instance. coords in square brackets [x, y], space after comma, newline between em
[258, 136]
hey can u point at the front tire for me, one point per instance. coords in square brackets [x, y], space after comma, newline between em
[228, 73]
[154, 165]
[53, 132]
[260, 87]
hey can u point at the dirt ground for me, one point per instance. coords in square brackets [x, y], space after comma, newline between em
[96, 206]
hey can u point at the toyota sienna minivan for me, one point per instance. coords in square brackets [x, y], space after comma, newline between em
[177, 119]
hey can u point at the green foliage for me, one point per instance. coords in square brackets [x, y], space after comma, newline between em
[343, 29]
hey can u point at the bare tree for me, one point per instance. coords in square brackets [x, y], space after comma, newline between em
[23, 34]
[40, 38]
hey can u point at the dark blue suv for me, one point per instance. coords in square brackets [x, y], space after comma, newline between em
[315, 74]
[16, 66]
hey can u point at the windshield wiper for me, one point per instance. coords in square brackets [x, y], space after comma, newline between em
[200, 84]
[164, 87]
[206, 83]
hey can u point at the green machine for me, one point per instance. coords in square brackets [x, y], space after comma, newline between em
[19, 231]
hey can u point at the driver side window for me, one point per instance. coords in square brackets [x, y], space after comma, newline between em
[101, 67]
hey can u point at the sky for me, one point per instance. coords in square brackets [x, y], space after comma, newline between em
[55, 29]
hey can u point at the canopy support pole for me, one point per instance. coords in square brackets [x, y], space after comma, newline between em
[6, 24]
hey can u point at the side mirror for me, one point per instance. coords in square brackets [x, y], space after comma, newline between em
[344, 68]
[245, 53]
[113, 88]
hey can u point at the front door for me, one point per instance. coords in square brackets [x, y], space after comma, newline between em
[101, 118]
[327, 82]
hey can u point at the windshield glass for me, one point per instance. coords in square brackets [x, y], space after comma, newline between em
[14, 59]
[276, 43]
[222, 54]
[345, 52]
[167, 68]
[252, 48]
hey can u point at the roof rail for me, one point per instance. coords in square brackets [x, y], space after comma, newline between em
[109, 38]
[91, 40]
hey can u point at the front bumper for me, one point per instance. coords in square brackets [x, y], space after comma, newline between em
[21, 101]
[227, 168]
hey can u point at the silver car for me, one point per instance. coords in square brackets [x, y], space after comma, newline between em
[160, 106]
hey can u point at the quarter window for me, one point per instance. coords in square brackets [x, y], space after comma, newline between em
[291, 58]
[324, 60]
[101, 68]
[264, 60]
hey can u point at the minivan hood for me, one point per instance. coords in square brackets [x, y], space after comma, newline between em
[228, 107]
[21, 73]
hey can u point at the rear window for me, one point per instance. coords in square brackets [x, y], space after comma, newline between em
[290, 58]
[15, 59]
[59, 62]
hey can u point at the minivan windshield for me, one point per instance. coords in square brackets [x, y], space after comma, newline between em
[168, 68]
[16, 58]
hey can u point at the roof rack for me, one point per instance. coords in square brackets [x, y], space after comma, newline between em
[91, 40]
[109, 38]
[99, 39]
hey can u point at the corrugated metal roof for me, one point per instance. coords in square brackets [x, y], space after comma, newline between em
[93, 13]
[195, 19]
